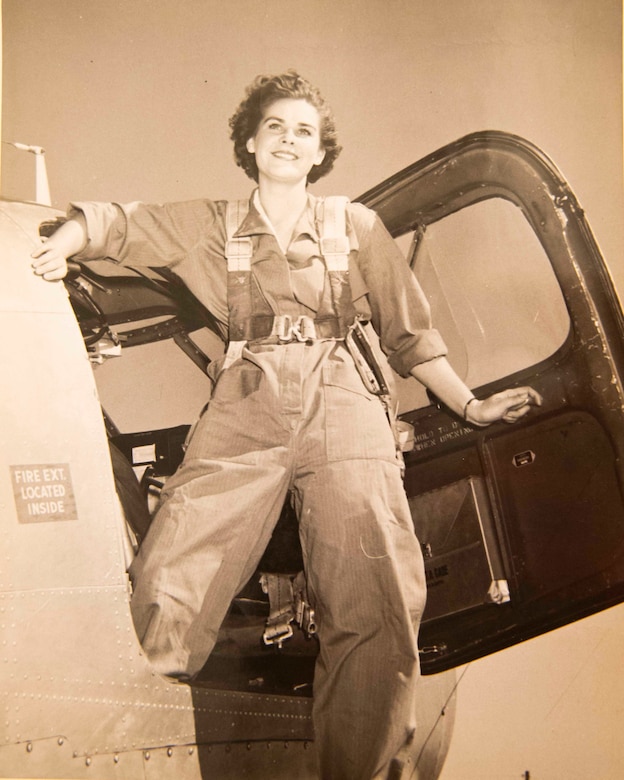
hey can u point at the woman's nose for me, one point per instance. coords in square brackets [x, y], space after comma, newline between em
[288, 136]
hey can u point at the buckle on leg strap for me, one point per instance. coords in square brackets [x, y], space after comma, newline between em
[288, 603]
[279, 590]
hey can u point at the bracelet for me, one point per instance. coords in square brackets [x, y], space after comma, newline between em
[468, 402]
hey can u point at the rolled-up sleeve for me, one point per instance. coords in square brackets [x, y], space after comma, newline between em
[144, 234]
[401, 314]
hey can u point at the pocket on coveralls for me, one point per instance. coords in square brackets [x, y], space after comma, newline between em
[356, 425]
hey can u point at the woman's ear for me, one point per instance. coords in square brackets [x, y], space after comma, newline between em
[251, 146]
[320, 157]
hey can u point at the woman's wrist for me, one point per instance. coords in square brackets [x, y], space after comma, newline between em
[471, 412]
[467, 405]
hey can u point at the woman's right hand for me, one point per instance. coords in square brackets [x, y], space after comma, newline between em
[49, 261]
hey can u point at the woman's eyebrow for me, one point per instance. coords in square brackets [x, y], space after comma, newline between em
[280, 119]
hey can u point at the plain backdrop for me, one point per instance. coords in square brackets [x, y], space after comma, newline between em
[131, 100]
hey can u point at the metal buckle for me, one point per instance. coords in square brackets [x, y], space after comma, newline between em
[303, 329]
[287, 604]
[304, 615]
[277, 634]
[283, 327]
[239, 252]
[277, 629]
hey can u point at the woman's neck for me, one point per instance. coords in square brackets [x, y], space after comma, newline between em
[283, 204]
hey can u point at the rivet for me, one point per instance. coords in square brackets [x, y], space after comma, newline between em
[169, 752]
[228, 748]
[116, 758]
[29, 747]
[88, 761]
[190, 751]
[146, 755]
[61, 741]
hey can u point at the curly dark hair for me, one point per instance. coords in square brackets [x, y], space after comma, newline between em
[265, 90]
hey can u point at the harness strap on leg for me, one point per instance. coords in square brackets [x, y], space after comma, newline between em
[304, 614]
[288, 603]
[279, 589]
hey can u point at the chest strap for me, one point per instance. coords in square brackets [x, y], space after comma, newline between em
[238, 253]
[280, 329]
[334, 244]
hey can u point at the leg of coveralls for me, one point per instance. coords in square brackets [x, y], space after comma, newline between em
[204, 544]
[217, 516]
[366, 583]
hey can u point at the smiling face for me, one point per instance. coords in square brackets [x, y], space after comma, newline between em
[287, 142]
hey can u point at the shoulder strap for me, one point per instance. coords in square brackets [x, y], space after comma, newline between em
[333, 228]
[238, 251]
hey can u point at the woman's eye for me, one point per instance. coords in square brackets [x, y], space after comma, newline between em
[304, 131]
[274, 126]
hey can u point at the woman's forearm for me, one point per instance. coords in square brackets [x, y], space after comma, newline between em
[509, 405]
[439, 376]
[71, 237]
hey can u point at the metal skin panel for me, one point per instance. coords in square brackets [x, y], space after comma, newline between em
[51, 416]
[94, 689]
[253, 759]
[19, 221]
[90, 706]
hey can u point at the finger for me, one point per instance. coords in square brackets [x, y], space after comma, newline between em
[515, 415]
[55, 275]
[524, 395]
[40, 250]
[44, 264]
[518, 401]
[51, 270]
[46, 258]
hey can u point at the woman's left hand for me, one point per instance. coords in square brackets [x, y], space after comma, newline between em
[508, 406]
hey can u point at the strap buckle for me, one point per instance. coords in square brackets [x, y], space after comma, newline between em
[279, 590]
[302, 329]
[304, 613]
[239, 252]
[288, 603]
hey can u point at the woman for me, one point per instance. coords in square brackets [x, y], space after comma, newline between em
[289, 412]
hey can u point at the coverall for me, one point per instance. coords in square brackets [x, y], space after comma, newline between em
[289, 416]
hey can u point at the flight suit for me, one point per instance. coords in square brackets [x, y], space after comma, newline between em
[295, 416]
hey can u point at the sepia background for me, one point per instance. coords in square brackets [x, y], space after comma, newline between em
[131, 98]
